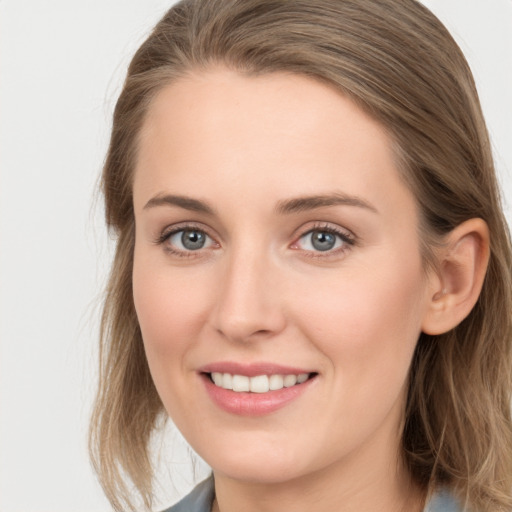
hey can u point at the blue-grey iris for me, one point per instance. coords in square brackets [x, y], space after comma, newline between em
[323, 241]
[193, 240]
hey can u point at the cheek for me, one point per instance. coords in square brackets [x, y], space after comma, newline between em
[169, 306]
[169, 309]
[369, 319]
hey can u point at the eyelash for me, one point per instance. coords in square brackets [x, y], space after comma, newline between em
[169, 232]
[348, 240]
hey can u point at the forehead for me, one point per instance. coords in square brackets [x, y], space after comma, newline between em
[276, 104]
[277, 132]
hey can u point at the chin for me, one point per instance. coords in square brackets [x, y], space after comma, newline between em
[261, 465]
[258, 472]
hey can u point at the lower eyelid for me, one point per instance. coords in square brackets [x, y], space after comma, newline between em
[330, 255]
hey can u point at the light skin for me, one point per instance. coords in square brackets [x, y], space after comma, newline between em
[256, 168]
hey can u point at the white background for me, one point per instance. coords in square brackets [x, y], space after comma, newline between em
[62, 64]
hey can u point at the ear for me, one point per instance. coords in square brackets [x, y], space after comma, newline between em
[462, 264]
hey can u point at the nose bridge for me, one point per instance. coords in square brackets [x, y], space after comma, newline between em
[248, 305]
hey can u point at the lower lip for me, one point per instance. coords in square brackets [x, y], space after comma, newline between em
[253, 404]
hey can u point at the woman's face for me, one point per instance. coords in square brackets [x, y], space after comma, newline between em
[275, 241]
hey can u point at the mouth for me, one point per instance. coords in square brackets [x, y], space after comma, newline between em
[258, 383]
[255, 389]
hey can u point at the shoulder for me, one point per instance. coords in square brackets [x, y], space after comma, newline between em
[443, 501]
[199, 500]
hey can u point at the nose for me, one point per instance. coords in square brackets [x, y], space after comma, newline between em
[249, 303]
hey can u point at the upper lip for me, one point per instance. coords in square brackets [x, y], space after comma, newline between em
[251, 370]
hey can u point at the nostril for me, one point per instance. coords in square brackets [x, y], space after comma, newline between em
[244, 333]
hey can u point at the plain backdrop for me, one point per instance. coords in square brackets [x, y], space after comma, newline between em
[62, 63]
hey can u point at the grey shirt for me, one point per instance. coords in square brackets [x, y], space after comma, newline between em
[201, 498]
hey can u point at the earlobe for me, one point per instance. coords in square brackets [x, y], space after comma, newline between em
[462, 267]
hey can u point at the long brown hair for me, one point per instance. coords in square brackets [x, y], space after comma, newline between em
[398, 63]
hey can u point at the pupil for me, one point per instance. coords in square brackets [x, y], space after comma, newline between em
[193, 240]
[323, 241]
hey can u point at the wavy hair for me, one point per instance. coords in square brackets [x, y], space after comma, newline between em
[397, 61]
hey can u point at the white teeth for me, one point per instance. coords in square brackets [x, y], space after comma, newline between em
[258, 384]
[217, 378]
[227, 381]
[290, 380]
[240, 383]
[303, 377]
[276, 382]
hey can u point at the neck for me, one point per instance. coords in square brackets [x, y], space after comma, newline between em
[308, 497]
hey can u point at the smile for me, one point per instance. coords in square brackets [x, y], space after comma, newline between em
[255, 389]
[258, 383]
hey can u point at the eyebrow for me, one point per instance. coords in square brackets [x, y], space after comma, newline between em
[287, 206]
[187, 203]
[301, 204]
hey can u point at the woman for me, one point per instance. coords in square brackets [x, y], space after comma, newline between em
[313, 270]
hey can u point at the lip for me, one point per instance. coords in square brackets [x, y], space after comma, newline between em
[253, 404]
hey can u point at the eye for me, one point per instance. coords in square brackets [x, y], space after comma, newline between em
[183, 241]
[319, 241]
[189, 239]
[324, 240]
